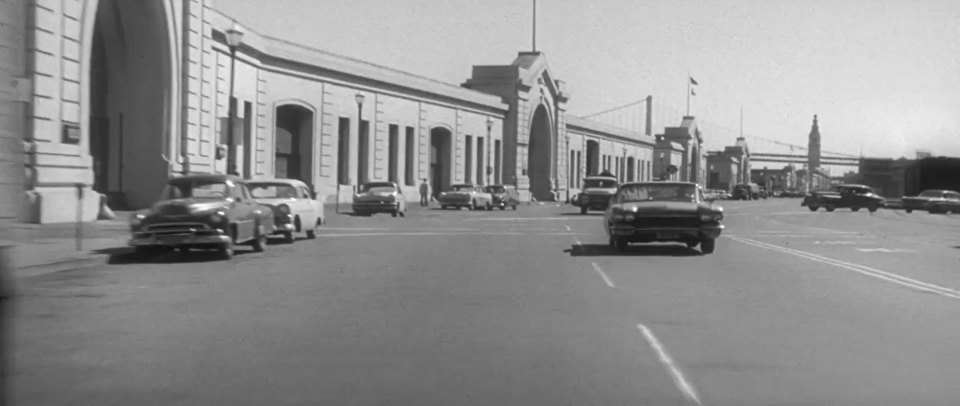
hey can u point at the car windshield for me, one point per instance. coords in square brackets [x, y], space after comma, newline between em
[494, 189]
[378, 188]
[931, 193]
[599, 183]
[655, 192]
[272, 191]
[461, 188]
[195, 189]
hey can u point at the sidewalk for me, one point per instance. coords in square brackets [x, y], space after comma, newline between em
[50, 247]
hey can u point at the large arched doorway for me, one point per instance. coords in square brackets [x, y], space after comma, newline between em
[293, 153]
[540, 156]
[440, 154]
[129, 101]
[593, 157]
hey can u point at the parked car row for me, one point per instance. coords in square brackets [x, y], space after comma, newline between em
[221, 212]
[933, 201]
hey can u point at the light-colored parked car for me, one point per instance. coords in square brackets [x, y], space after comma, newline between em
[466, 195]
[926, 199]
[380, 197]
[949, 203]
[294, 205]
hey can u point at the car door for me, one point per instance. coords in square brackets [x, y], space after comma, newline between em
[305, 205]
[241, 212]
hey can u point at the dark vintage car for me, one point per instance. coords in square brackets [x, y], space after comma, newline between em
[924, 201]
[380, 197]
[596, 194]
[662, 212]
[503, 196]
[747, 191]
[949, 203]
[850, 196]
[203, 211]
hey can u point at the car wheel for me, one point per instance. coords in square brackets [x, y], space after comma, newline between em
[872, 208]
[473, 205]
[312, 233]
[395, 213]
[693, 244]
[583, 210]
[514, 207]
[855, 209]
[288, 237]
[620, 244]
[403, 213]
[831, 207]
[708, 245]
[909, 210]
[502, 208]
[814, 208]
[489, 206]
[442, 207]
[259, 243]
[225, 251]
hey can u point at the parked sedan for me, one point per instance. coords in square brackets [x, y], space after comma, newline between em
[851, 196]
[203, 211]
[380, 197]
[924, 199]
[503, 197]
[949, 203]
[465, 195]
[294, 205]
[661, 212]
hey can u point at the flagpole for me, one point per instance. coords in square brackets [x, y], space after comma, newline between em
[688, 93]
[534, 25]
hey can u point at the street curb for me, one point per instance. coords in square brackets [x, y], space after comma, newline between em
[32, 271]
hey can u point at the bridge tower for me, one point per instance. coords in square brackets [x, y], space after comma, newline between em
[813, 152]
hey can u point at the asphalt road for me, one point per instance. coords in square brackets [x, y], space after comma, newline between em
[525, 307]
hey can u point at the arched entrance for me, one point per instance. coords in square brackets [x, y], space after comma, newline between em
[130, 91]
[593, 157]
[440, 159]
[540, 156]
[630, 170]
[293, 152]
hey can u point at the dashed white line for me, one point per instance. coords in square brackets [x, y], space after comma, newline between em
[403, 234]
[603, 275]
[667, 361]
[861, 269]
[567, 227]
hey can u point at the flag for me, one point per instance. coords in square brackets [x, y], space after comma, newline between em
[693, 81]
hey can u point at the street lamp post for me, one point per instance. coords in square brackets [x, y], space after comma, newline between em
[489, 149]
[234, 36]
[361, 178]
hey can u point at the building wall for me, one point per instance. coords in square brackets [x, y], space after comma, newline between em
[12, 103]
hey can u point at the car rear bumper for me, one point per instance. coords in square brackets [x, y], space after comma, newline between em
[666, 233]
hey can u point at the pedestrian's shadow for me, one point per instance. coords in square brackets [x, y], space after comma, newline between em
[127, 256]
[640, 250]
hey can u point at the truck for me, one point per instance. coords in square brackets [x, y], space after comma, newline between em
[596, 194]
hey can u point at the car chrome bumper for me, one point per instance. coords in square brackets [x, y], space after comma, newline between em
[175, 240]
[667, 233]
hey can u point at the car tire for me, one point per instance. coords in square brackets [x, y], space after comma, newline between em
[489, 206]
[288, 237]
[259, 242]
[693, 244]
[908, 210]
[708, 245]
[502, 208]
[873, 208]
[312, 233]
[403, 213]
[583, 210]
[225, 251]
[442, 207]
[395, 213]
[620, 244]
[831, 207]
[473, 205]
[854, 209]
[814, 208]
[514, 207]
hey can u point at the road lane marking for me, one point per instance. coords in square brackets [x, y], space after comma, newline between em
[603, 275]
[667, 361]
[388, 229]
[567, 227]
[895, 250]
[594, 218]
[861, 269]
[402, 234]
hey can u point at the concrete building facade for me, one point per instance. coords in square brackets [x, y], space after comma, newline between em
[124, 94]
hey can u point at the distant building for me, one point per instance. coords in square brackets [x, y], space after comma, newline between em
[884, 175]
[782, 179]
[689, 140]
[728, 167]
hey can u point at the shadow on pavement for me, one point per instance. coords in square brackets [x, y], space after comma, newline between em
[640, 250]
[126, 255]
[589, 213]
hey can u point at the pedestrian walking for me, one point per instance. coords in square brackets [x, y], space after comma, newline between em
[424, 193]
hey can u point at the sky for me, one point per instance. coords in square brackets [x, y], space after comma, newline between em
[883, 76]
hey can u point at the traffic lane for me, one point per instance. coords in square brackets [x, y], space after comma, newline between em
[867, 239]
[751, 326]
[449, 320]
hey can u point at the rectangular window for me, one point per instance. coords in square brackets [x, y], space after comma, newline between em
[410, 158]
[579, 170]
[343, 151]
[247, 140]
[468, 160]
[649, 170]
[496, 162]
[393, 149]
[363, 153]
[480, 173]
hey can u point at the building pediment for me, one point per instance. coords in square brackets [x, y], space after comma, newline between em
[535, 73]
